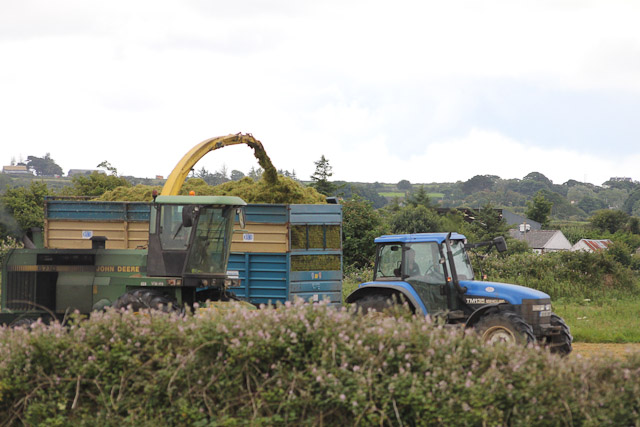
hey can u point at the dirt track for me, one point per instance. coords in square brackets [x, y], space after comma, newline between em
[616, 350]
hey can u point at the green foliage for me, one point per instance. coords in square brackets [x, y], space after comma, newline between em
[488, 224]
[539, 209]
[94, 185]
[298, 365]
[361, 224]
[43, 166]
[419, 197]
[610, 220]
[23, 208]
[138, 193]
[565, 274]
[403, 185]
[321, 177]
[479, 183]
[415, 219]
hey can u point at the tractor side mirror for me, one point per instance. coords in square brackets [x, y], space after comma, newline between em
[500, 244]
[188, 215]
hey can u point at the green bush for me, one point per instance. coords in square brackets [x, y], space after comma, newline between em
[564, 274]
[296, 365]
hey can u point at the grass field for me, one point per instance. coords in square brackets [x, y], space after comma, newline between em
[609, 321]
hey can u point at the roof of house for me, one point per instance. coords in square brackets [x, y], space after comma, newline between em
[537, 239]
[15, 168]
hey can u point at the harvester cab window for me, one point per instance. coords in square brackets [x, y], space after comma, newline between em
[210, 251]
[173, 234]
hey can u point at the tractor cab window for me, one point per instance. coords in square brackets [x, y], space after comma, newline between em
[210, 250]
[173, 235]
[461, 260]
[389, 262]
[423, 260]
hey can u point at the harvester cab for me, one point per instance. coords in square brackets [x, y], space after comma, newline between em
[190, 238]
[433, 274]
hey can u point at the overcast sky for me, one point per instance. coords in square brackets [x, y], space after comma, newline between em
[429, 91]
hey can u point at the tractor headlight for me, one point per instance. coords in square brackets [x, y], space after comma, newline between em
[541, 307]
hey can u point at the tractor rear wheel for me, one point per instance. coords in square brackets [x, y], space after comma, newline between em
[560, 344]
[504, 326]
[381, 303]
[139, 299]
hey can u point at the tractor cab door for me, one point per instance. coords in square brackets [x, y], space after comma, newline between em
[424, 269]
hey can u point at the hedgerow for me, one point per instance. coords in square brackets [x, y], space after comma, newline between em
[296, 365]
[563, 274]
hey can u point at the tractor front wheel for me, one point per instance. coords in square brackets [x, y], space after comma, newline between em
[139, 299]
[504, 326]
[561, 343]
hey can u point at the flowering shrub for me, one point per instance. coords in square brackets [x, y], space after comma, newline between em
[299, 364]
[6, 245]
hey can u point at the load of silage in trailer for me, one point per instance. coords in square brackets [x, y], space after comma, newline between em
[269, 188]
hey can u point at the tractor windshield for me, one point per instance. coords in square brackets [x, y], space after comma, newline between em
[211, 241]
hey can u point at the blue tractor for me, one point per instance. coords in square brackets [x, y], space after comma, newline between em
[433, 274]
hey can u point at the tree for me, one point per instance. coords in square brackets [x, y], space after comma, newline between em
[44, 166]
[419, 198]
[610, 220]
[23, 208]
[403, 185]
[489, 224]
[360, 225]
[321, 177]
[415, 219]
[479, 183]
[94, 185]
[236, 175]
[539, 209]
[108, 167]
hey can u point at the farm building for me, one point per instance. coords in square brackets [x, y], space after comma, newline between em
[591, 245]
[543, 241]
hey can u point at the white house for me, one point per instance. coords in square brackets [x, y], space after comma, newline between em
[543, 241]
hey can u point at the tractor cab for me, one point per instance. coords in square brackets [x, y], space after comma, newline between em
[190, 238]
[421, 260]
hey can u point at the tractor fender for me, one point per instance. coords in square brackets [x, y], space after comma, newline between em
[388, 289]
[476, 315]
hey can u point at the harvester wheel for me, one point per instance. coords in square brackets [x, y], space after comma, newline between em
[504, 326]
[560, 344]
[139, 299]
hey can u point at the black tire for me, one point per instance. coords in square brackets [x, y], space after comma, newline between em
[23, 322]
[561, 343]
[139, 299]
[380, 303]
[504, 326]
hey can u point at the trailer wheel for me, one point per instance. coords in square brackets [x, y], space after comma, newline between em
[560, 344]
[504, 326]
[139, 299]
